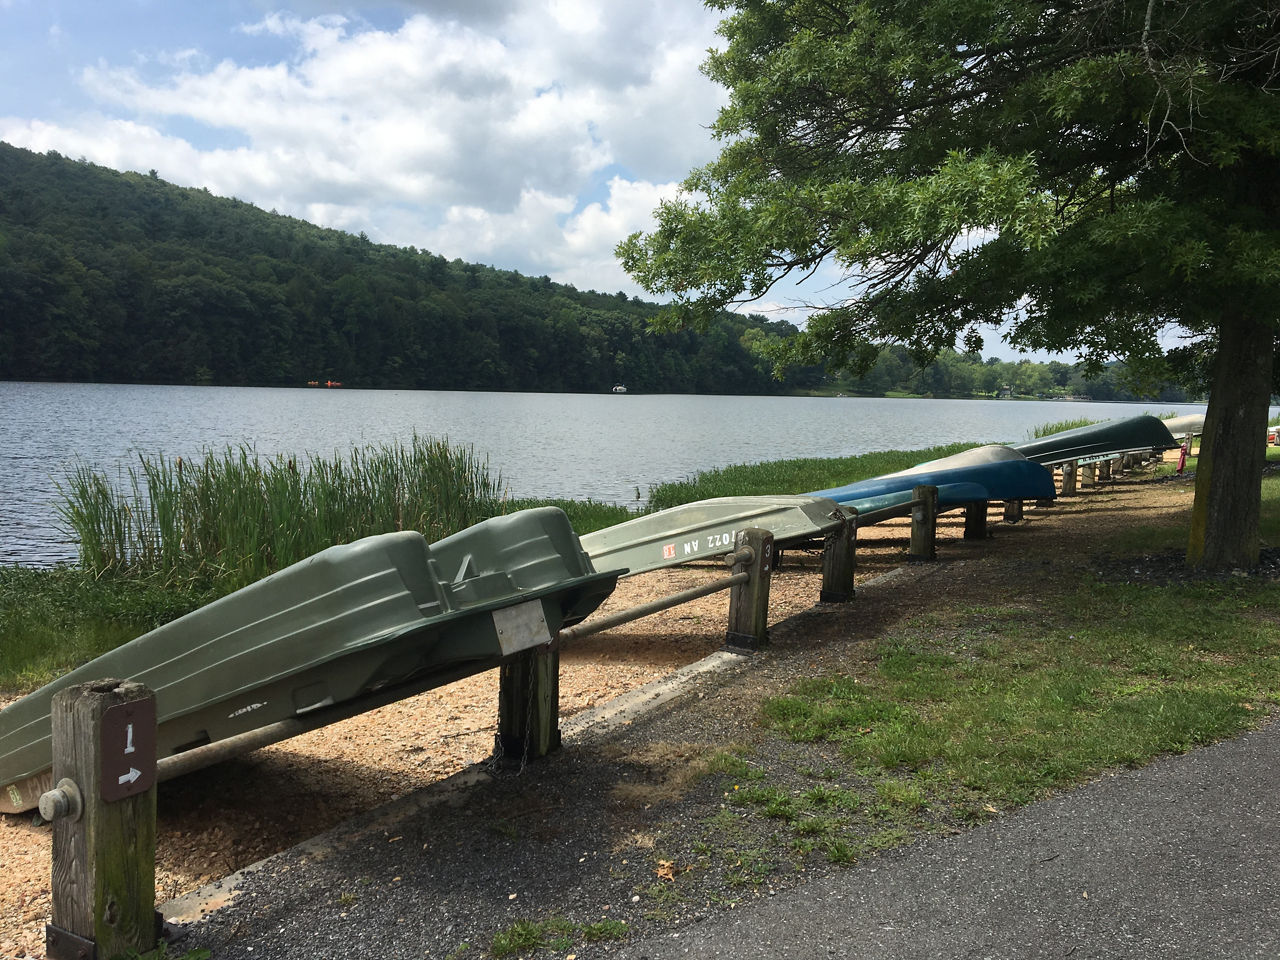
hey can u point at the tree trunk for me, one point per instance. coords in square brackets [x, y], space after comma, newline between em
[1225, 517]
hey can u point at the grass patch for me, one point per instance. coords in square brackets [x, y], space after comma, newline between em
[1166, 669]
[960, 712]
[555, 933]
[56, 619]
[732, 764]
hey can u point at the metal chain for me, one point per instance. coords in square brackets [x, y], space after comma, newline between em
[495, 763]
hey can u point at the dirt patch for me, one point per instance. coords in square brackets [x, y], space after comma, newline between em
[1169, 567]
[218, 820]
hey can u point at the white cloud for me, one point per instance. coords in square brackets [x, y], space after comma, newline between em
[469, 130]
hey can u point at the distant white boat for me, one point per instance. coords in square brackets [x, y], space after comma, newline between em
[619, 388]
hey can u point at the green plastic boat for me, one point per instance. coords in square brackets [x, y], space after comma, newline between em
[350, 628]
[707, 528]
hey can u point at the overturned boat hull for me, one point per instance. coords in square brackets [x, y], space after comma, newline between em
[353, 623]
[973, 457]
[1017, 479]
[887, 506]
[1099, 441]
[1187, 425]
[707, 528]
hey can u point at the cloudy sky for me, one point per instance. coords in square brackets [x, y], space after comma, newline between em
[528, 134]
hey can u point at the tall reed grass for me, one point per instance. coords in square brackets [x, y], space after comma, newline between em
[235, 516]
[1058, 426]
[585, 516]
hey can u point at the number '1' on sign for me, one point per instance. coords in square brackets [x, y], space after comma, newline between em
[128, 749]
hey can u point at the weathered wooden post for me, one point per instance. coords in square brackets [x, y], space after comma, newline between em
[1088, 474]
[1104, 470]
[103, 808]
[975, 520]
[839, 560]
[1012, 511]
[924, 524]
[749, 601]
[529, 703]
[1068, 479]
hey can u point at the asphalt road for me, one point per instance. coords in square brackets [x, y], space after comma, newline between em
[1180, 859]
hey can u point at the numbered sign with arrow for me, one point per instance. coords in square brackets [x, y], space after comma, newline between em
[128, 749]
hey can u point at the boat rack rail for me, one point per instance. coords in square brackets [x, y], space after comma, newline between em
[742, 557]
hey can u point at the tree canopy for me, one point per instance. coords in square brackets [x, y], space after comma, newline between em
[1088, 176]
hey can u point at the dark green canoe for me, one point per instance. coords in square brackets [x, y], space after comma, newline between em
[1098, 441]
[365, 622]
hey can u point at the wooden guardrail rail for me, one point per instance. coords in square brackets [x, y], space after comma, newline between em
[103, 806]
[529, 683]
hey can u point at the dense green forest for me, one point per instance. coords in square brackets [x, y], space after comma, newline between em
[120, 277]
[969, 375]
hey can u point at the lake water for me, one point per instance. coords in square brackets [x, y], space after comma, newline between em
[545, 445]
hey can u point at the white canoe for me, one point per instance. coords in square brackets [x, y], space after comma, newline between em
[707, 528]
[1188, 425]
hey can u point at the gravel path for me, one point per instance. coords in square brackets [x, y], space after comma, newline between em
[1175, 861]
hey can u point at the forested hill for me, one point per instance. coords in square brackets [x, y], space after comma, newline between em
[120, 277]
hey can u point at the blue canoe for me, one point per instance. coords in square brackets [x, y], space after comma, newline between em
[886, 506]
[1002, 480]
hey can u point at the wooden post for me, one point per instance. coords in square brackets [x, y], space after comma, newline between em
[749, 602]
[1068, 479]
[1088, 474]
[1012, 511]
[839, 559]
[529, 704]
[924, 524]
[103, 808]
[1104, 470]
[975, 520]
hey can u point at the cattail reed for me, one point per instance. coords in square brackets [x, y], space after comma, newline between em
[235, 516]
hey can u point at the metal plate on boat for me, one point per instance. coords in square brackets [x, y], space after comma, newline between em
[521, 626]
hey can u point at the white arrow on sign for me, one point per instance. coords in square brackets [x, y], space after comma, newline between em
[133, 774]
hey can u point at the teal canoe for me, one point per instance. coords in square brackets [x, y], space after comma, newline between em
[367, 622]
[974, 456]
[707, 528]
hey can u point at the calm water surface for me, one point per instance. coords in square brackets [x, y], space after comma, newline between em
[545, 445]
